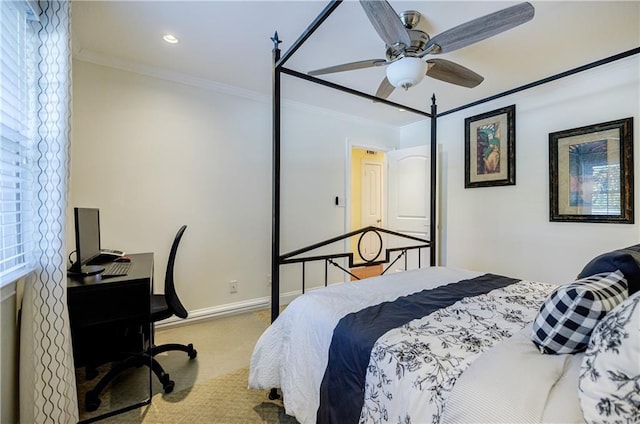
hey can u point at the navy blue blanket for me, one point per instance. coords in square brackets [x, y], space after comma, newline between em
[342, 388]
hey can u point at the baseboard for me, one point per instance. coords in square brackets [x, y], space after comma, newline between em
[226, 310]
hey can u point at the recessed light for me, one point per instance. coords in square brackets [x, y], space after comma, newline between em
[170, 38]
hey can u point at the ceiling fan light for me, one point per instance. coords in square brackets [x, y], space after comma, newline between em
[170, 38]
[406, 72]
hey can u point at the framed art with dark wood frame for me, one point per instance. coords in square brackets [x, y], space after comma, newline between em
[490, 148]
[591, 173]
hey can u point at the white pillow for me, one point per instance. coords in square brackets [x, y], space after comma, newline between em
[610, 374]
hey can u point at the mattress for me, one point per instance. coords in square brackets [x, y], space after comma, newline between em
[392, 348]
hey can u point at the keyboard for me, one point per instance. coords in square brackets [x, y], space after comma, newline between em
[116, 269]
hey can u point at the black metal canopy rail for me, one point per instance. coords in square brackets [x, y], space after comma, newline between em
[278, 68]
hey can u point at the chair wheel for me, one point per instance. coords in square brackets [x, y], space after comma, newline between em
[168, 386]
[91, 402]
[191, 351]
[167, 383]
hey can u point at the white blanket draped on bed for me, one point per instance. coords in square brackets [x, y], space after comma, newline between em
[292, 354]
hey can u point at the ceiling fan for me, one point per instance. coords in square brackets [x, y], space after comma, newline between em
[406, 45]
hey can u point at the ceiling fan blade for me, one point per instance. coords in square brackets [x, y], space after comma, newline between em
[349, 66]
[447, 71]
[480, 28]
[385, 89]
[386, 22]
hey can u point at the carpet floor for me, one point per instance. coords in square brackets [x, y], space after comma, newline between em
[212, 388]
[221, 400]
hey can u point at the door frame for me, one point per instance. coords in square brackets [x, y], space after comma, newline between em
[349, 146]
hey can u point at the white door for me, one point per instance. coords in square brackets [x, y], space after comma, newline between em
[371, 205]
[409, 191]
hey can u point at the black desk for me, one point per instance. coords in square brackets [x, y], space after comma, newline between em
[110, 318]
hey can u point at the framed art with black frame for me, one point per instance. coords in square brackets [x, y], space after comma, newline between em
[591, 173]
[490, 148]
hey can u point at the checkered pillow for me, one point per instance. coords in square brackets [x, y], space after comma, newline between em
[570, 313]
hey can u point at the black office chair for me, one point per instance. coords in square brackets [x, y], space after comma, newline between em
[163, 306]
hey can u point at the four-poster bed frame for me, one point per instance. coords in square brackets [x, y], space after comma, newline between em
[323, 381]
[279, 61]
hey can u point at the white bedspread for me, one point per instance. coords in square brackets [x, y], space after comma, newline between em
[292, 353]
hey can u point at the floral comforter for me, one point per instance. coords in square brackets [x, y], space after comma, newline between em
[413, 368]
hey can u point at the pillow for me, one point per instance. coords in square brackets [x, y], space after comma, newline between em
[626, 260]
[610, 370]
[570, 313]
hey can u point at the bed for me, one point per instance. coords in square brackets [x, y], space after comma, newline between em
[443, 345]
[474, 357]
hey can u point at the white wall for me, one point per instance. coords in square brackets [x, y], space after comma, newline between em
[154, 154]
[8, 354]
[314, 166]
[507, 229]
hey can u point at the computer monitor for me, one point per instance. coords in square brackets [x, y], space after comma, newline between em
[87, 234]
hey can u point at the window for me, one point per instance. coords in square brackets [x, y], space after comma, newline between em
[16, 134]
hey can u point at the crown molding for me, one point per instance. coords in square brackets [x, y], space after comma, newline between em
[214, 86]
[172, 76]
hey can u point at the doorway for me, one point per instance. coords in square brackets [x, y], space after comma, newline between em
[389, 190]
[367, 200]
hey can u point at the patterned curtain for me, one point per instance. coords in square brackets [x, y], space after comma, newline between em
[47, 378]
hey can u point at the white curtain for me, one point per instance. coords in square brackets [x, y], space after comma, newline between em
[47, 378]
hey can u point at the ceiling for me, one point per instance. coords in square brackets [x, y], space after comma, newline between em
[227, 43]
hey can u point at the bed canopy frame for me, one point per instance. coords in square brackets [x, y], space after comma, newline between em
[279, 61]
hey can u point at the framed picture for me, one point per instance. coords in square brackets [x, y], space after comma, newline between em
[591, 173]
[490, 148]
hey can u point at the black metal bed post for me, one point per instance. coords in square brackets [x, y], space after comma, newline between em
[275, 184]
[434, 160]
[278, 70]
[278, 64]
